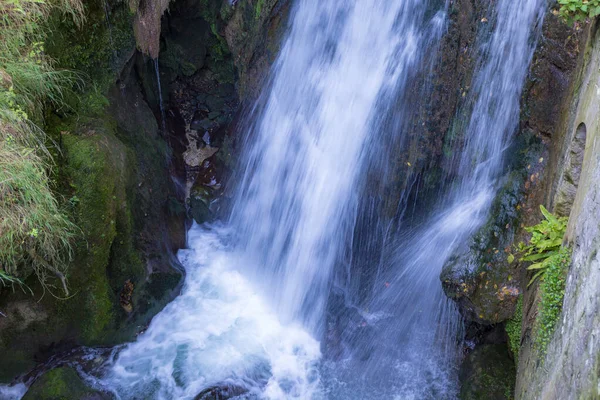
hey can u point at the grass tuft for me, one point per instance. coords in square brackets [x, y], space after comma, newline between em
[35, 234]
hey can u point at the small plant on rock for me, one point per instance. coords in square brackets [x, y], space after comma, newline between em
[544, 245]
[578, 10]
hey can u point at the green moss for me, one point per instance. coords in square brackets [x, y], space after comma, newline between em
[258, 8]
[97, 50]
[60, 384]
[93, 164]
[98, 170]
[513, 330]
[220, 60]
[552, 291]
[99, 47]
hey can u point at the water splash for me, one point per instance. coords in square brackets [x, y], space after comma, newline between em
[219, 331]
[13, 392]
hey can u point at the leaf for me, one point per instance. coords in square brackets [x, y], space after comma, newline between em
[551, 218]
[538, 256]
[537, 274]
[510, 258]
[535, 266]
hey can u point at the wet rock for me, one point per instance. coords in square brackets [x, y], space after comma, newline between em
[215, 103]
[185, 49]
[199, 202]
[488, 373]
[479, 278]
[221, 392]
[204, 124]
[486, 295]
[253, 36]
[347, 329]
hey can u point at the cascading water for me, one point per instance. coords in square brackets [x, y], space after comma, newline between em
[342, 64]
[252, 311]
[161, 106]
[411, 350]
[340, 67]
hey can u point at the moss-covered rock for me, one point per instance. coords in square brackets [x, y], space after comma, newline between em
[98, 167]
[62, 384]
[488, 373]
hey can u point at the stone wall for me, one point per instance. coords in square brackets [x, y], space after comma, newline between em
[570, 369]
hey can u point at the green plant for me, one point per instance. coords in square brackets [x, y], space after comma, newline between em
[578, 10]
[545, 243]
[258, 8]
[6, 279]
[552, 291]
[513, 330]
[35, 233]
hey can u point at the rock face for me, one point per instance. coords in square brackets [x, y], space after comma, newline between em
[480, 278]
[487, 374]
[570, 369]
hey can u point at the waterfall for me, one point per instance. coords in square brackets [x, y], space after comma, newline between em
[412, 348]
[341, 66]
[252, 312]
[163, 118]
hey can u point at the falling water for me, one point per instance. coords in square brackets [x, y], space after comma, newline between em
[253, 309]
[347, 62]
[409, 345]
[160, 98]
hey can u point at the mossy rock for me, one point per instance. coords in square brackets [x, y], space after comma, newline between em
[98, 166]
[488, 373]
[62, 384]
[99, 48]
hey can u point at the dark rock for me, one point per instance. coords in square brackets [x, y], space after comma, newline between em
[226, 90]
[202, 124]
[201, 98]
[200, 205]
[488, 373]
[215, 103]
[214, 114]
[221, 392]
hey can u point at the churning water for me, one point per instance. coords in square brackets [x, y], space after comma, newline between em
[258, 298]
